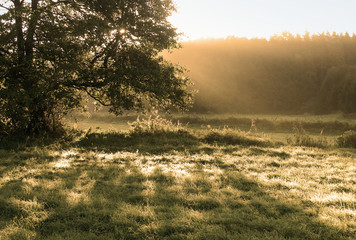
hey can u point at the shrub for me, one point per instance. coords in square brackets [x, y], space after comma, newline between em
[347, 140]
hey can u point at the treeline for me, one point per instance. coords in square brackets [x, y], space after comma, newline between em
[285, 74]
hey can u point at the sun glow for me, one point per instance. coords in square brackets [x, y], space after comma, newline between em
[262, 19]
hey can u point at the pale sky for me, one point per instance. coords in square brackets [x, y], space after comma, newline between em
[262, 18]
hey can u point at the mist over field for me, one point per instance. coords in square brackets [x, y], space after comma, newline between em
[286, 74]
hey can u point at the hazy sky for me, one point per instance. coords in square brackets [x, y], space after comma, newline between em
[262, 18]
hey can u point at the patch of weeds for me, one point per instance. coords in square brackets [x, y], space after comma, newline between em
[146, 142]
[227, 166]
[279, 186]
[162, 178]
[233, 137]
[253, 151]
[342, 189]
[80, 218]
[207, 150]
[274, 164]
[240, 182]
[282, 155]
[175, 229]
[162, 160]
[203, 203]
[21, 141]
[273, 175]
[22, 234]
[284, 209]
[347, 140]
[198, 185]
[155, 124]
[52, 199]
[8, 211]
[301, 138]
[263, 207]
[166, 196]
[308, 141]
[236, 203]
[229, 149]
[334, 180]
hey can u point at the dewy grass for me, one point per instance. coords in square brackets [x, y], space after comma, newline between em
[270, 122]
[176, 186]
[125, 195]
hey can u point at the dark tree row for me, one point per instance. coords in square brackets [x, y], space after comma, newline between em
[286, 74]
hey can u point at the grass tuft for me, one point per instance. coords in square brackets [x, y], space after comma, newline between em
[347, 140]
[228, 136]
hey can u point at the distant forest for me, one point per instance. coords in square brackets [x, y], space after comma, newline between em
[288, 73]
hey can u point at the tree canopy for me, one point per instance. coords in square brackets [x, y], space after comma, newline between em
[54, 53]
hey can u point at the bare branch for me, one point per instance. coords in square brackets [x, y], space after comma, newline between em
[93, 96]
[1, 5]
[97, 98]
[60, 1]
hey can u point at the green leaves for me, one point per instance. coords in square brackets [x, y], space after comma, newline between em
[53, 52]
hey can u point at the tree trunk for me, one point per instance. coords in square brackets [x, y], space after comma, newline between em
[19, 31]
[31, 31]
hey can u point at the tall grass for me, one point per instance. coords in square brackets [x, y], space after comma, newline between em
[301, 138]
[347, 140]
[155, 125]
[228, 136]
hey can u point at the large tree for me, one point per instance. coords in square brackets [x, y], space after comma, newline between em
[55, 52]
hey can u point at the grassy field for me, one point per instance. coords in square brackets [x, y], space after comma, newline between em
[286, 179]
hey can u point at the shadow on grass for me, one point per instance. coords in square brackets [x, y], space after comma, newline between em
[163, 142]
[154, 143]
[123, 202]
[20, 142]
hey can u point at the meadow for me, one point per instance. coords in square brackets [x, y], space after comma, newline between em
[183, 177]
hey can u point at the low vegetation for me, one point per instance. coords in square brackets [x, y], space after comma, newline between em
[348, 139]
[233, 137]
[160, 180]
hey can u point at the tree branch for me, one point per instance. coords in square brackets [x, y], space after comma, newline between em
[93, 96]
[1, 5]
[97, 98]
[52, 4]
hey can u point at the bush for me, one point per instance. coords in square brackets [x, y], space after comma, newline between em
[347, 140]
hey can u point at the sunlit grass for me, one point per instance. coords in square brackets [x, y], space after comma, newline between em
[176, 185]
[296, 193]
